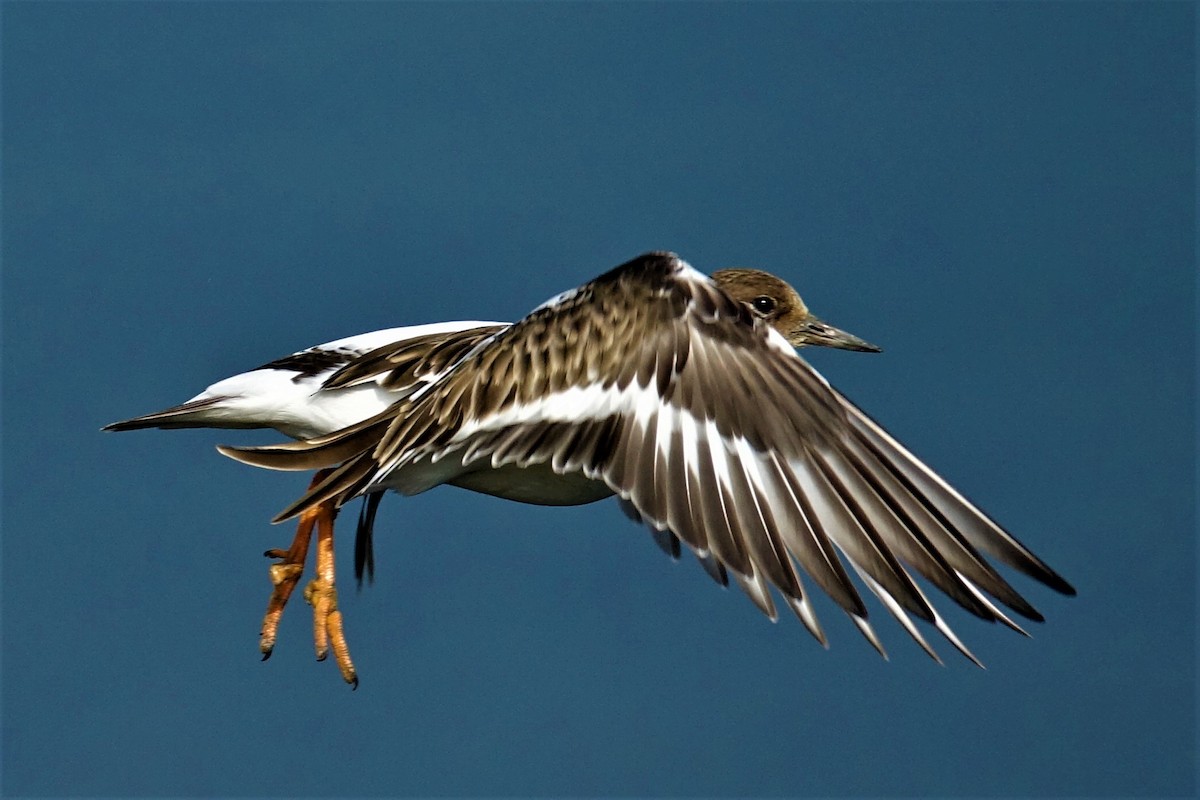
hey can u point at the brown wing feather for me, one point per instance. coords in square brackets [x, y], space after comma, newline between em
[411, 361]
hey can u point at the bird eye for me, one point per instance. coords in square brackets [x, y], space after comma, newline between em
[763, 304]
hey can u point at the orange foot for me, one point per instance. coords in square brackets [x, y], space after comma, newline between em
[321, 592]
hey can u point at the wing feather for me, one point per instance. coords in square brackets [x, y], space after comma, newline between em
[980, 529]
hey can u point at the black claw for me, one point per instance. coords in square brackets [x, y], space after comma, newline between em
[353, 684]
[267, 654]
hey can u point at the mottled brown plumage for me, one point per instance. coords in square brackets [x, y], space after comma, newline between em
[683, 395]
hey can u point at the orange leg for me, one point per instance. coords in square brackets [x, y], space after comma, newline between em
[321, 593]
[286, 574]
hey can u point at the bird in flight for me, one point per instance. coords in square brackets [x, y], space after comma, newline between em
[680, 394]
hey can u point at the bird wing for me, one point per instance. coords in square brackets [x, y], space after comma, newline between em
[410, 362]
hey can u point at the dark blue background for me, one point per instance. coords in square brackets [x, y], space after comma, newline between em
[1002, 196]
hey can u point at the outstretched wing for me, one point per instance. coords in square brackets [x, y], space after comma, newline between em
[711, 429]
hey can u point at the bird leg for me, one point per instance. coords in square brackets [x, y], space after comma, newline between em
[321, 594]
[286, 574]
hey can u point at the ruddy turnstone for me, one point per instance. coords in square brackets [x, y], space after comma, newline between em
[684, 396]
[291, 395]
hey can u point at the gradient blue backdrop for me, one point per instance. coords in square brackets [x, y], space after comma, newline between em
[1000, 195]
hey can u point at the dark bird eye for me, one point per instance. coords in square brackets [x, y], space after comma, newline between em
[764, 304]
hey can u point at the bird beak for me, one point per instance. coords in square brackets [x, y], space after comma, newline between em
[817, 333]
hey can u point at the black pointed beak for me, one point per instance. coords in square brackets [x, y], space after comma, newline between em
[816, 333]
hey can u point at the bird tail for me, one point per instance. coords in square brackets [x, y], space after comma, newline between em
[192, 414]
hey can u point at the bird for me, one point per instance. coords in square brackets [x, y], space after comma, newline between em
[290, 395]
[683, 396]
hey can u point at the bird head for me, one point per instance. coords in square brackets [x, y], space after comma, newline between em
[777, 303]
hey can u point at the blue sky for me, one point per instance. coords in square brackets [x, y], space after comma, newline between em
[1000, 195]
